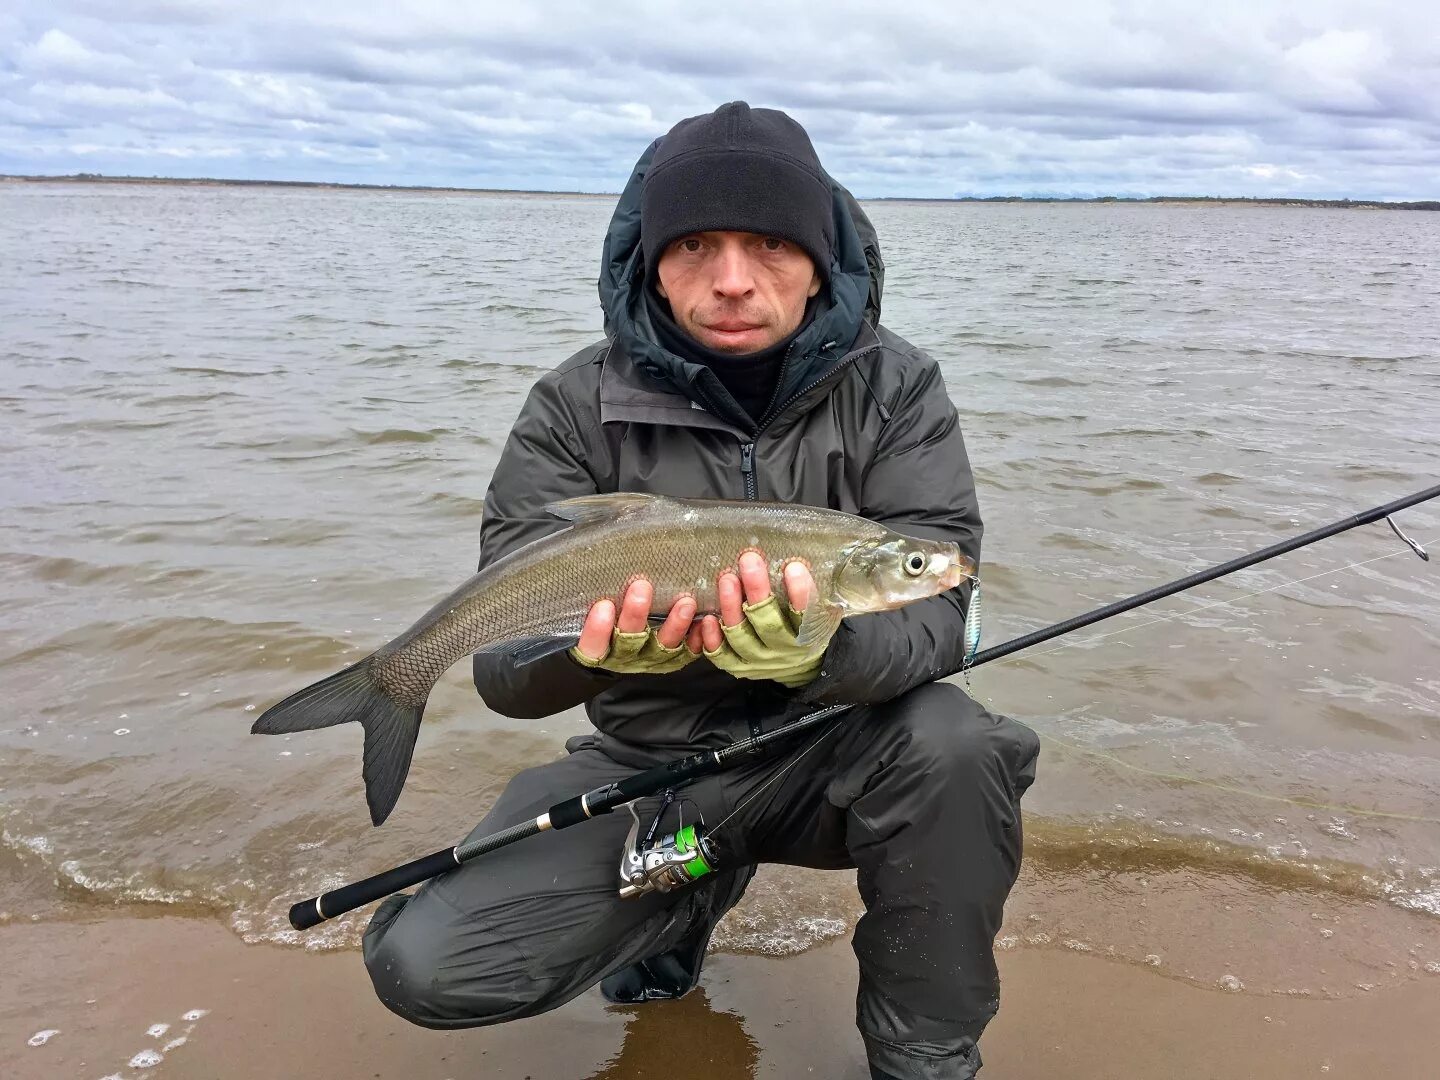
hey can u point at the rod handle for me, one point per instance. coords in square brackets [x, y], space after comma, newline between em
[318, 909]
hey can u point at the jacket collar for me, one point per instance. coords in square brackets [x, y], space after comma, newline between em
[628, 395]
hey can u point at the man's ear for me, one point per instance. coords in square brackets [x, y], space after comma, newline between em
[814, 285]
[660, 288]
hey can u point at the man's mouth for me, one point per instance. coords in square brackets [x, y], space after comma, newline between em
[732, 327]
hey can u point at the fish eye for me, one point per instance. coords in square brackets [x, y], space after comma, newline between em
[915, 563]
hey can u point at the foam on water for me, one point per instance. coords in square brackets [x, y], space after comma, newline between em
[132, 889]
[150, 1057]
[1427, 901]
[38, 845]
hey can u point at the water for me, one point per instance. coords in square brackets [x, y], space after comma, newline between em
[247, 434]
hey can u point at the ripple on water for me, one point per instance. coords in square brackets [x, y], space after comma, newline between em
[198, 478]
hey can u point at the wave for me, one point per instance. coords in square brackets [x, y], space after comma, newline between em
[1133, 433]
[790, 909]
[400, 435]
[63, 570]
[189, 640]
[220, 373]
[92, 425]
[1217, 479]
[457, 506]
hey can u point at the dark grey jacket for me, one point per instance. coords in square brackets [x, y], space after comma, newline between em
[861, 422]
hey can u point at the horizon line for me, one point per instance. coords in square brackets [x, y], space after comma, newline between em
[84, 177]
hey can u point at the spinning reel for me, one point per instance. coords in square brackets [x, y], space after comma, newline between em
[671, 862]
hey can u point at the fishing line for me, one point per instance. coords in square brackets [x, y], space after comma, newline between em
[1204, 607]
[1334, 808]
[778, 775]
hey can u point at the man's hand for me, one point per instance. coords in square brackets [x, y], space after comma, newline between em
[754, 637]
[627, 645]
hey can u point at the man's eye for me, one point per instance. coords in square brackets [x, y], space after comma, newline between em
[690, 244]
[773, 243]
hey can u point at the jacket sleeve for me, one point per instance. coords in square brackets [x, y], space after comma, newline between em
[543, 462]
[918, 483]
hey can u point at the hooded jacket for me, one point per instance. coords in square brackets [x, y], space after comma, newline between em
[860, 421]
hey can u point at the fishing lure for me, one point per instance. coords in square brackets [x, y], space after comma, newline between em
[972, 631]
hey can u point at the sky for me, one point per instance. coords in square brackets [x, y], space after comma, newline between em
[932, 98]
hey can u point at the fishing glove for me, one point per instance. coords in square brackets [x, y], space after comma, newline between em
[763, 646]
[639, 653]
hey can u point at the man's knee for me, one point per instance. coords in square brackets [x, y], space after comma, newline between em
[940, 727]
[423, 972]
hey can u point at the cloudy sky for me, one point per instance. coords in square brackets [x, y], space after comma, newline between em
[1325, 98]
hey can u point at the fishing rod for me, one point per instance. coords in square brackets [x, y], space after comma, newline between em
[687, 853]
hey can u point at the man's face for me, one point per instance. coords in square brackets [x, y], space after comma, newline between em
[736, 292]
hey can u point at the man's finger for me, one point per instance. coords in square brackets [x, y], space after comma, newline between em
[677, 623]
[693, 640]
[635, 609]
[755, 576]
[710, 635]
[729, 592]
[595, 635]
[799, 585]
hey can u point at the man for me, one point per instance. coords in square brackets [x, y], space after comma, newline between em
[743, 360]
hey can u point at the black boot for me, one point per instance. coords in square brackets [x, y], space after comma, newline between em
[664, 977]
[676, 972]
[891, 1063]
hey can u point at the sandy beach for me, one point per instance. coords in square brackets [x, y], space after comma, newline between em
[235, 1011]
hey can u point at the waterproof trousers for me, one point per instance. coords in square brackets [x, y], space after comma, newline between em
[921, 795]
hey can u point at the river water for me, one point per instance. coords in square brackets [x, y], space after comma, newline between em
[247, 433]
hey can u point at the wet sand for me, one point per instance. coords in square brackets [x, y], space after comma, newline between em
[263, 1011]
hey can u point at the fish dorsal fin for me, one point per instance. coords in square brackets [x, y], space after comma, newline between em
[818, 623]
[604, 507]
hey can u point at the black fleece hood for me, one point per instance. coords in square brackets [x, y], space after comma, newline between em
[849, 299]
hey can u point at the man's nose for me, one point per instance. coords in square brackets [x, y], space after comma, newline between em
[734, 276]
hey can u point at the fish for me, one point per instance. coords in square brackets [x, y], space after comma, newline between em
[533, 602]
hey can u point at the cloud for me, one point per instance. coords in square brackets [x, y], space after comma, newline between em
[1335, 98]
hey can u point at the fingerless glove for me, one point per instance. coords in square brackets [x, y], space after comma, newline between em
[639, 653]
[763, 646]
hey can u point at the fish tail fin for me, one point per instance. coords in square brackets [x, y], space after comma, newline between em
[355, 694]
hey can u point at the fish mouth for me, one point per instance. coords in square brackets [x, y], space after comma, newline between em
[959, 570]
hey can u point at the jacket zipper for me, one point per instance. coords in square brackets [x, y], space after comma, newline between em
[779, 382]
[747, 469]
[747, 449]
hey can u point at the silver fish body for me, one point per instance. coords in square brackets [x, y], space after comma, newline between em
[534, 601]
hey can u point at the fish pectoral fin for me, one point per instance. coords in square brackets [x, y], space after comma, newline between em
[818, 623]
[527, 650]
[603, 507]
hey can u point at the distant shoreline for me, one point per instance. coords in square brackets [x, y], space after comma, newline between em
[327, 185]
